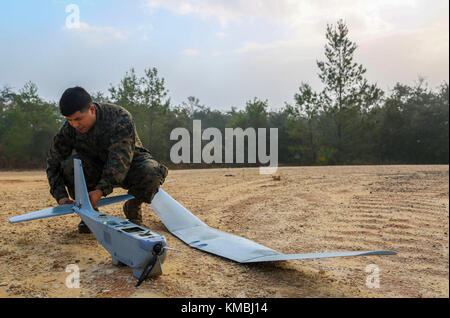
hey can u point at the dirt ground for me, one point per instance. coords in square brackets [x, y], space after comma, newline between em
[305, 210]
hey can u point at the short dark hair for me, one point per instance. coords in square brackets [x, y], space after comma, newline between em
[74, 99]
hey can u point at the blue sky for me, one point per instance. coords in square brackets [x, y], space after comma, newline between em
[224, 52]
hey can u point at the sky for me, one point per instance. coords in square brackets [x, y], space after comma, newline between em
[224, 52]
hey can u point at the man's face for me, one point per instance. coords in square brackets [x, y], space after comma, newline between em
[82, 121]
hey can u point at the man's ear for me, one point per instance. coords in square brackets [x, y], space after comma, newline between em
[92, 109]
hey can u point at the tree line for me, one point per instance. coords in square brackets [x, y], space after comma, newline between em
[350, 121]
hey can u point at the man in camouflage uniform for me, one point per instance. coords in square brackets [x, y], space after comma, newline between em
[104, 137]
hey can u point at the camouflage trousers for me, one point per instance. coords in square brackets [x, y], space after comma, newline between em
[142, 181]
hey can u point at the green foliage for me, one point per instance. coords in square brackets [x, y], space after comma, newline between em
[304, 122]
[347, 95]
[27, 125]
[146, 99]
[414, 125]
[254, 115]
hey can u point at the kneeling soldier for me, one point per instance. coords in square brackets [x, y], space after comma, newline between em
[104, 138]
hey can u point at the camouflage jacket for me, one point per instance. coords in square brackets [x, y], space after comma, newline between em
[112, 143]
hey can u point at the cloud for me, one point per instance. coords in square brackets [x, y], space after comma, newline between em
[226, 12]
[289, 12]
[143, 31]
[307, 19]
[145, 28]
[190, 52]
[221, 34]
[255, 47]
[406, 54]
[96, 34]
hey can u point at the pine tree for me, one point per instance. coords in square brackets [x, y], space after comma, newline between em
[147, 100]
[347, 94]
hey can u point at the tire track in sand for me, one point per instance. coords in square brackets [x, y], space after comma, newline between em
[410, 223]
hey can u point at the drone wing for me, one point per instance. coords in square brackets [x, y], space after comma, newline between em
[46, 213]
[191, 230]
[64, 209]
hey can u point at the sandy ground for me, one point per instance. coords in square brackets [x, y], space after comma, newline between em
[306, 210]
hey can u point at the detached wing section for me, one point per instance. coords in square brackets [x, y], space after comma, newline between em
[191, 230]
[174, 216]
[285, 257]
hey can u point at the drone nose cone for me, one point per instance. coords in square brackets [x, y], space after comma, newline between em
[158, 249]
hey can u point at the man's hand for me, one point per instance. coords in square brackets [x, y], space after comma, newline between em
[94, 197]
[65, 201]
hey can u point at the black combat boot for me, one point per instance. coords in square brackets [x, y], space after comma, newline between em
[132, 210]
[83, 228]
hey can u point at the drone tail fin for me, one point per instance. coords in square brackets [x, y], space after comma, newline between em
[81, 193]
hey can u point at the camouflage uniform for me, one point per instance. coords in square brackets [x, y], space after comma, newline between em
[112, 156]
